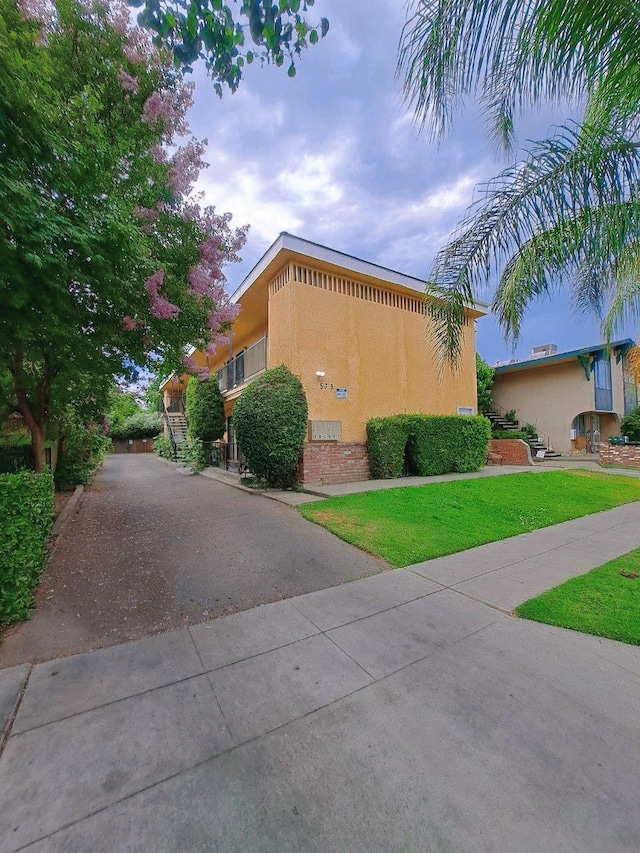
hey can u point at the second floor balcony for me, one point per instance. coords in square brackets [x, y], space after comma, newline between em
[244, 366]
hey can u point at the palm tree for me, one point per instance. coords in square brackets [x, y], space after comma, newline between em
[570, 210]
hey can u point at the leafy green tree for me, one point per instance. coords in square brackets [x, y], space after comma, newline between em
[570, 209]
[138, 425]
[122, 405]
[270, 423]
[630, 425]
[107, 261]
[484, 378]
[217, 32]
[205, 409]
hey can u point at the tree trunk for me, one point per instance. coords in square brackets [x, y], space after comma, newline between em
[36, 423]
[37, 444]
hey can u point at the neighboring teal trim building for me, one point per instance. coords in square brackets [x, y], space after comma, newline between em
[576, 398]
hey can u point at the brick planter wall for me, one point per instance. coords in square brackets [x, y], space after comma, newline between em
[508, 451]
[330, 462]
[626, 455]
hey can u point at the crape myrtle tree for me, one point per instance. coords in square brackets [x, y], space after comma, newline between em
[106, 259]
[568, 212]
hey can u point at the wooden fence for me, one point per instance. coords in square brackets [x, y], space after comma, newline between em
[133, 445]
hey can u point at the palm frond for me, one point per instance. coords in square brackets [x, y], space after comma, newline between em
[514, 55]
[573, 200]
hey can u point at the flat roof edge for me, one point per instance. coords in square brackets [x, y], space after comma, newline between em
[333, 256]
[560, 356]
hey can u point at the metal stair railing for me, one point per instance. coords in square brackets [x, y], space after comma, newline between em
[169, 425]
[542, 437]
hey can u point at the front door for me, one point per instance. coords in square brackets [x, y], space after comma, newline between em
[593, 434]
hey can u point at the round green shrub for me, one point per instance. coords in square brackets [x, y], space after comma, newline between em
[270, 424]
[205, 409]
[630, 425]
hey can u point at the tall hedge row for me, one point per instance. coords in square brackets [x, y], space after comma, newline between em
[26, 509]
[205, 409]
[270, 423]
[426, 445]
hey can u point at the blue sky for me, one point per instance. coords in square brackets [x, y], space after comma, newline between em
[333, 156]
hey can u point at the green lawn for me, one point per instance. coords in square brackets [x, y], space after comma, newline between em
[602, 602]
[415, 523]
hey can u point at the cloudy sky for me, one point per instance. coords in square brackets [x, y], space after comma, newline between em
[333, 156]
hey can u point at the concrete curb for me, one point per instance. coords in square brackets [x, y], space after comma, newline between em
[61, 521]
[278, 496]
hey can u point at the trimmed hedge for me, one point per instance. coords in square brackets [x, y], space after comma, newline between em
[204, 408]
[26, 509]
[426, 445]
[270, 424]
[386, 441]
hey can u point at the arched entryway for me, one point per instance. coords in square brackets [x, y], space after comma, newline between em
[590, 429]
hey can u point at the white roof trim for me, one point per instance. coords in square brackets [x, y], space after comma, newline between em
[331, 256]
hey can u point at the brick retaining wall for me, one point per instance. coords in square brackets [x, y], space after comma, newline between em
[330, 462]
[626, 455]
[508, 451]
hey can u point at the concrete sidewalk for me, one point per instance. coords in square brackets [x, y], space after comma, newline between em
[401, 482]
[388, 714]
[488, 471]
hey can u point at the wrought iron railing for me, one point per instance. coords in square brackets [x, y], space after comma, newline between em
[14, 459]
[542, 437]
[169, 429]
[226, 455]
[244, 366]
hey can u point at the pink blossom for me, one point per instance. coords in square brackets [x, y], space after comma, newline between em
[185, 166]
[118, 17]
[37, 10]
[199, 281]
[132, 54]
[40, 11]
[193, 367]
[128, 83]
[146, 213]
[159, 307]
[128, 324]
[169, 108]
[159, 154]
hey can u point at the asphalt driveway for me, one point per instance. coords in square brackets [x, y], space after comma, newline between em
[153, 548]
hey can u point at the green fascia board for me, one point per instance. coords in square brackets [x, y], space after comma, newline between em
[622, 345]
[587, 365]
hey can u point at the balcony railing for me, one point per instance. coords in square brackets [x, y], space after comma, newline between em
[244, 366]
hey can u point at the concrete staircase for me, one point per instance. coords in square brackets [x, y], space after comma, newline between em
[178, 427]
[536, 443]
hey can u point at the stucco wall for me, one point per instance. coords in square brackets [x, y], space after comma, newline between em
[378, 353]
[552, 395]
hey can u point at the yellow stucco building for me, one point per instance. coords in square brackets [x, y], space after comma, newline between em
[356, 335]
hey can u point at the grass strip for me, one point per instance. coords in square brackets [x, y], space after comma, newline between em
[414, 523]
[604, 601]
